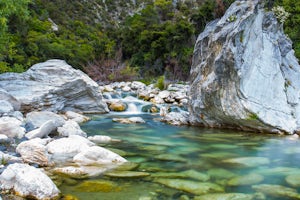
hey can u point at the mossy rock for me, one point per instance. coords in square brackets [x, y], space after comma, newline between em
[97, 186]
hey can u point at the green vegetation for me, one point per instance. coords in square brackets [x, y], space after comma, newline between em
[99, 37]
[252, 116]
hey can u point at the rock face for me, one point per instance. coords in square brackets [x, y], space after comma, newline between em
[54, 86]
[244, 73]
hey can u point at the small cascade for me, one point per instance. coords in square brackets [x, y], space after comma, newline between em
[133, 109]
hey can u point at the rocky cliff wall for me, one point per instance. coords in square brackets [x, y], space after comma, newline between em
[244, 73]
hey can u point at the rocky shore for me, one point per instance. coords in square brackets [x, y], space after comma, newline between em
[40, 135]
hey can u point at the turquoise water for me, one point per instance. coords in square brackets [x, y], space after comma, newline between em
[189, 162]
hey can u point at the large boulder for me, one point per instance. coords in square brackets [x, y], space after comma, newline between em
[244, 73]
[27, 181]
[55, 86]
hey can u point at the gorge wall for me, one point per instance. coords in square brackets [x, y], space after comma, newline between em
[244, 73]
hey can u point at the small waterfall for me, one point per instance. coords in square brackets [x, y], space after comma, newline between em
[133, 109]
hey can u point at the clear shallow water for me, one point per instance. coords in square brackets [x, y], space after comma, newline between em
[231, 161]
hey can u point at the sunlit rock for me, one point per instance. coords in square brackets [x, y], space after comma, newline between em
[27, 181]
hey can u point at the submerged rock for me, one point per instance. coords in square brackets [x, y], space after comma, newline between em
[27, 181]
[130, 120]
[277, 191]
[55, 86]
[127, 174]
[227, 196]
[293, 180]
[248, 179]
[97, 186]
[192, 187]
[244, 73]
[247, 161]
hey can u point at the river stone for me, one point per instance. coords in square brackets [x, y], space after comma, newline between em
[193, 187]
[244, 73]
[64, 149]
[126, 174]
[278, 191]
[227, 196]
[118, 106]
[293, 180]
[27, 181]
[175, 118]
[37, 119]
[34, 152]
[136, 85]
[54, 86]
[164, 94]
[248, 161]
[96, 155]
[11, 127]
[71, 128]
[76, 117]
[43, 131]
[248, 179]
[71, 171]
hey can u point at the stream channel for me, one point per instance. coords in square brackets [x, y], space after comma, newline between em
[182, 162]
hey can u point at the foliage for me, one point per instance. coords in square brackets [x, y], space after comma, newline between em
[155, 39]
[160, 83]
[280, 13]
